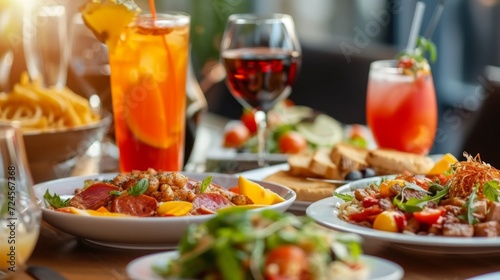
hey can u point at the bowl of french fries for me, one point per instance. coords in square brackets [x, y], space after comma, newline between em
[58, 126]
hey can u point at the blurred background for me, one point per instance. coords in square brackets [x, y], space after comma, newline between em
[339, 38]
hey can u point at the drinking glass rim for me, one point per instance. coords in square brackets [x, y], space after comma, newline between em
[386, 66]
[258, 18]
[174, 18]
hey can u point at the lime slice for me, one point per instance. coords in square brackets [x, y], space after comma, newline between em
[325, 131]
[293, 114]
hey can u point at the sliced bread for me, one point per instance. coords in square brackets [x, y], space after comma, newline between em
[385, 161]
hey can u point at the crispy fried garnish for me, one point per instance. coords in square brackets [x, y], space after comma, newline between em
[469, 173]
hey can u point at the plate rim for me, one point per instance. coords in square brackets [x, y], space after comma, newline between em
[374, 262]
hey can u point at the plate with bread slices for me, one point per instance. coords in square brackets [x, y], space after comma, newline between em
[342, 161]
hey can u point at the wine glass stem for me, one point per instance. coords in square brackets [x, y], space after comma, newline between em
[261, 120]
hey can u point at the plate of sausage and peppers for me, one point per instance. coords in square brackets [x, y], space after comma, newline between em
[149, 209]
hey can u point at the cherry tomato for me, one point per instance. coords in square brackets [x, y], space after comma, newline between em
[369, 201]
[248, 119]
[286, 262]
[236, 135]
[429, 216]
[391, 221]
[406, 62]
[291, 142]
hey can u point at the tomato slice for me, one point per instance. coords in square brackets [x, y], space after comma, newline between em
[429, 216]
[235, 136]
[367, 214]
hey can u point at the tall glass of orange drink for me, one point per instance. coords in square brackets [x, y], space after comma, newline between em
[148, 81]
[401, 107]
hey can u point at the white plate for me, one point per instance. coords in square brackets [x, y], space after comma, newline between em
[325, 212]
[141, 268]
[134, 232]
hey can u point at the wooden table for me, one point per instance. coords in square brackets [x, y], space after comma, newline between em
[78, 259]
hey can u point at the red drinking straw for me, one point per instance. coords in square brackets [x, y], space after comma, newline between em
[153, 9]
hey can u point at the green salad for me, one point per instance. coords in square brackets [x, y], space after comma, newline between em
[240, 244]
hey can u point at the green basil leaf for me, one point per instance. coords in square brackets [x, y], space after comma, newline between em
[415, 204]
[344, 196]
[491, 189]
[469, 208]
[205, 183]
[55, 200]
[117, 193]
[227, 263]
[139, 187]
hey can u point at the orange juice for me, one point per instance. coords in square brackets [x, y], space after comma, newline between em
[24, 242]
[148, 80]
[401, 109]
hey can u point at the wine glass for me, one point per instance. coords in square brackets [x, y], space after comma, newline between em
[89, 67]
[261, 55]
[20, 213]
[45, 42]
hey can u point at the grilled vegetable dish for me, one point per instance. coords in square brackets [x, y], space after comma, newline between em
[463, 202]
[238, 244]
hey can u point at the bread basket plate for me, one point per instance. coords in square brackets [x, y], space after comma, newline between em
[143, 267]
[326, 211]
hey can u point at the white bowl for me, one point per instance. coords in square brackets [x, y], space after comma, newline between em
[53, 154]
[135, 232]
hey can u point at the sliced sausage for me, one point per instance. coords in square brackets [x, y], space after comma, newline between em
[93, 197]
[134, 205]
[209, 203]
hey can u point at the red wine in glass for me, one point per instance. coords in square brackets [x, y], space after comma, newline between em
[258, 77]
[261, 55]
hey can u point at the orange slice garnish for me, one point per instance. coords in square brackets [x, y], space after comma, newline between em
[142, 108]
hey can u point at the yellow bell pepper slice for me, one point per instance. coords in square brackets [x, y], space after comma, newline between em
[174, 208]
[257, 193]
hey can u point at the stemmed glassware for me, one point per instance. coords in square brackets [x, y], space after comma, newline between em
[89, 66]
[261, 55]
[45, 42]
